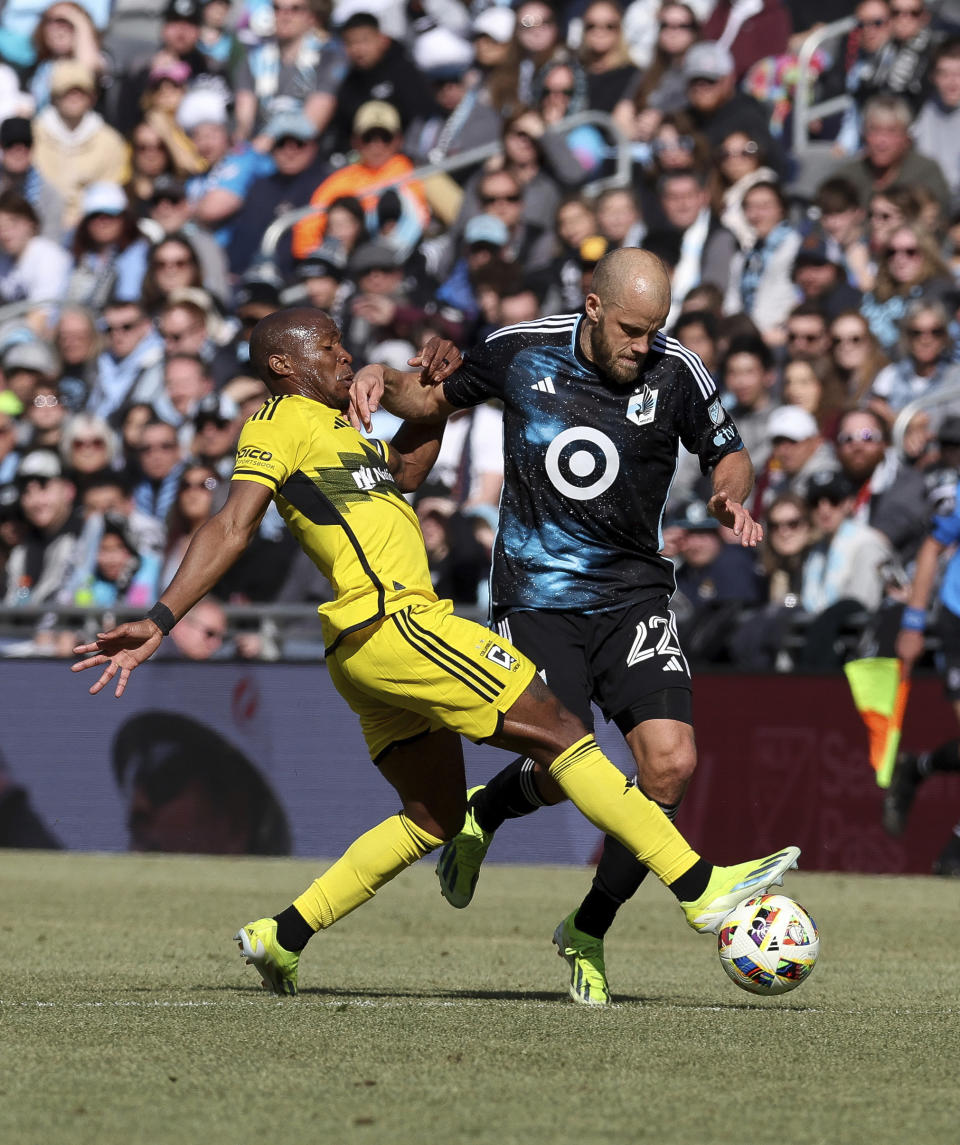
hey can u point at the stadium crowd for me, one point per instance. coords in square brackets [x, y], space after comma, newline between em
[139, 182]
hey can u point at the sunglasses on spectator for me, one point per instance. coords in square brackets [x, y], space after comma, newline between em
[42, 400]
[803, 336]
[286, 140]
[487, 200]
[676, 26]
[906, 251]
[785, 523]
[749, 148]
[377, 135]
[924, 331]
[597, 25]
[208, 483]
[567, 91]
[123, 327]
[88, 442]
[880, 22]
[848, 339]
[172, 263]
[847, 438]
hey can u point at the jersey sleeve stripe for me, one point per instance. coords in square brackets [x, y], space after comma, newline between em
[672, 347]
[258, 474]
[554, 325]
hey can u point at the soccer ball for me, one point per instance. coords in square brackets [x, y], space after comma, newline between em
[768, 945]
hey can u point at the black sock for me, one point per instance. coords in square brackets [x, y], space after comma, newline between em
[293, 930]
[511, 793]
[946, 757]
[693, 883]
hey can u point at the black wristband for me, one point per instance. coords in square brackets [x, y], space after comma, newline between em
[162, 617]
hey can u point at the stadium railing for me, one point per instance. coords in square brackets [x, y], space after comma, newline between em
[946, 395]
[620, 177]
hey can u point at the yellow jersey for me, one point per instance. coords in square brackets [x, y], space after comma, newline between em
[338, 498]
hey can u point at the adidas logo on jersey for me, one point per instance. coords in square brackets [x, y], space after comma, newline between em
[545, 385]
[642, 407]
[673, 665]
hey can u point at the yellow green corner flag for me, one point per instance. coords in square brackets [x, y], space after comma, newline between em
[880, 694]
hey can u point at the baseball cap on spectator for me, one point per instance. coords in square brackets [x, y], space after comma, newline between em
[830, 484]
[189, 11]
[69, 74]
[16, 130]
[168, 187]
[374, 256]
[257, 291]
[707, 60]
[220, 408]
[328, 261]
[693, 517]
[104, 199]
[42, 464]
[949, 431]
[791, 422]
[486, 229]
[291, 124]
[176, 71]
[35, 356]
[201, 106]
[442, 54]
[813, 251]
[497, 23]
[376, 113]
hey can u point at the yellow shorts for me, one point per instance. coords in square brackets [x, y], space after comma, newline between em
[423, 668]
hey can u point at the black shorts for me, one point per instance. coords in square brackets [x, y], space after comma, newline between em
[627, 661]
[948, 628]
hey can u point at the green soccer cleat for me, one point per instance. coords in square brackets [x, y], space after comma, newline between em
[729, 886]
[458, 867]
[584, 956]
[259, 946]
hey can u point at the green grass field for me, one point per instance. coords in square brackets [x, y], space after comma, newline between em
[127, 1016]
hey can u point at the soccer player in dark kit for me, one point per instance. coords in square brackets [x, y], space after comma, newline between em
[595, 405]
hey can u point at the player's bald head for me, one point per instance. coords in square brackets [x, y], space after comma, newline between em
[289, 332]
[627, 276]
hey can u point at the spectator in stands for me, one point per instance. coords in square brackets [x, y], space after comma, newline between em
[936, 131]
[44, 417]
[249, 394]
[171, 209]
[889, 495]
[807, 335]
[110, 567]
[161, 463]
[193, 506]
[111, 491]
[707, 248]
[604, 56]
[747, 378]
[850, 562]
[256, 296]
[383, 306]
[130, 369]
[797, 450]
[470, 463]
[65, 31]
[697, 331]
[915, 44]
[889, 157]
[676, 147]
[739, 163]
[32, 268]
[19, 175]
[866, 73]
[661, 88]
[133, 418]
[109, 253]
[925, 363]
[856, 354]
[200, 635]
[299, 172]
[813, 385]
[39, 566]
[820, 279]
[536, 44]
[574, 222]
[717, 107]
[218, 41]
[216, 196]
[912, 268]
[185, 385]
[172, 265]
[618, 217]
[27, 363]
[501, 194]
[842, 219]
[297, 69]
[484, 240]
[321, 275]
[216, 426]
[378, 140]
[73, 145]
[760, 281]
[380, 70]
[151, 161]
[77, 341]
[166, 89]
[88, 445]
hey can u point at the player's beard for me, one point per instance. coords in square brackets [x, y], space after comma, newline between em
[624, 371]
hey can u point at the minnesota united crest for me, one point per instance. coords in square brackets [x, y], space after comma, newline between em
[642, 407]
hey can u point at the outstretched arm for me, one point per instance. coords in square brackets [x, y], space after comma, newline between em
[732, 482]
[414, 395]
[212, 552]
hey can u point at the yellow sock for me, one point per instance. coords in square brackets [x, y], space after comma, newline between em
[620, 809]
[368, 863]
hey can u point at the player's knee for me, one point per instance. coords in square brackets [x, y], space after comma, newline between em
[666, 773]
[442, 823]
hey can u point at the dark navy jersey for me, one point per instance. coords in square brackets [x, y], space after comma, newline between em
[588, 462]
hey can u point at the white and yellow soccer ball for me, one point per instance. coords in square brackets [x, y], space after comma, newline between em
[768, 945]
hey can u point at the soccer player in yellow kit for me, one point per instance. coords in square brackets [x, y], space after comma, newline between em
[417, 676]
